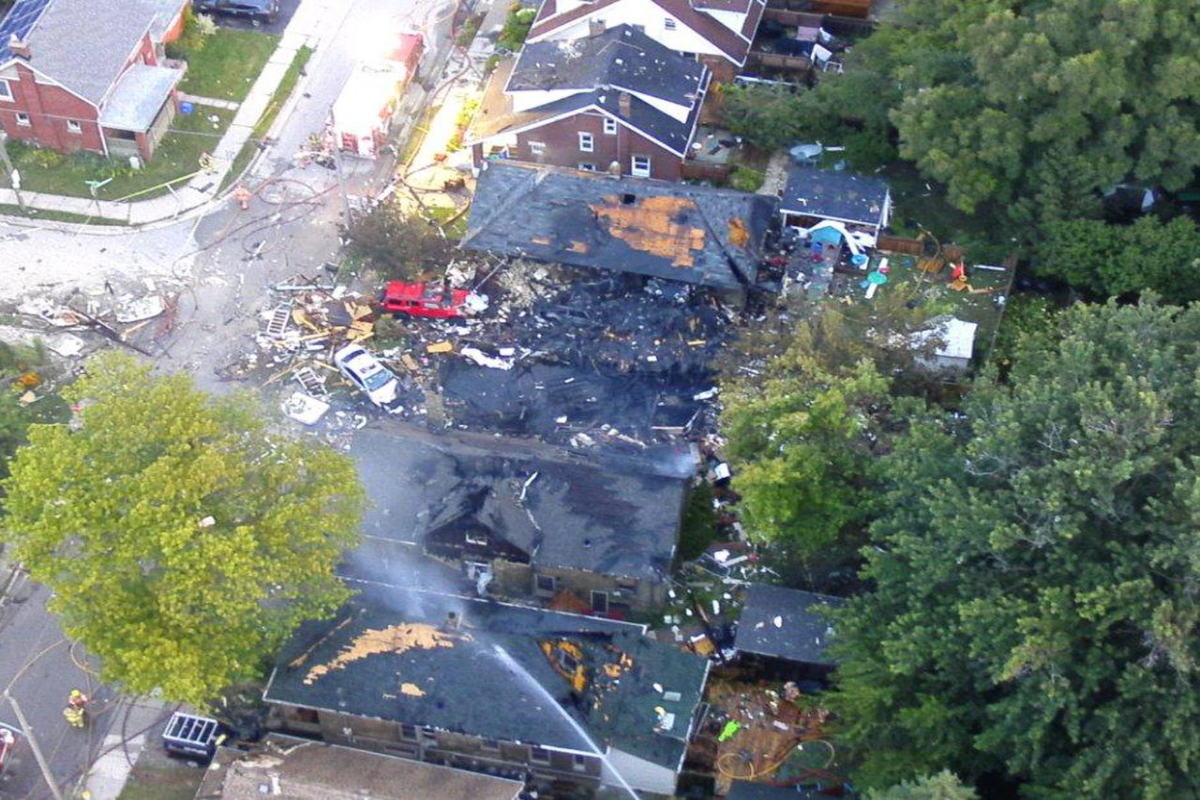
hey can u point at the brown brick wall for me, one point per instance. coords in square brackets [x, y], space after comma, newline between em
[561, 140]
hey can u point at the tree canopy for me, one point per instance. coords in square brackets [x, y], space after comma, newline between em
[1034, 610]
[1049, 103]
[1113, 260]
[944, 785]
[182, 541]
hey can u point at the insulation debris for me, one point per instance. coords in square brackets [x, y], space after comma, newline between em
[393, 639]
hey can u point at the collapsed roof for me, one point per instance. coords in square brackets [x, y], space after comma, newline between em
[499, 672]
[619, 517]
[694, 234]
[784, 623]
[840, 196]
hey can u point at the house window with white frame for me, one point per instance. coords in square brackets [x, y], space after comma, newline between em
[23, 119]
[537, 148]
[6, 94]
[539, 755]
[669, 24]
[587, 142]
[640, 166]
[545, 583]
[74, 126]
[610, 126]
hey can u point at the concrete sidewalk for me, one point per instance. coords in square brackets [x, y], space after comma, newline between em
[314, 21]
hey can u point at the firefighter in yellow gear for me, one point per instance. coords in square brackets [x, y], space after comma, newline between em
[74, 712]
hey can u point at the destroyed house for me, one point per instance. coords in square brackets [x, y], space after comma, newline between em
[616, 102]
[593, 537]
[693, 234]
[494, 688]
[301, 769]
[716, 33]
[785, 630]
[815, 195]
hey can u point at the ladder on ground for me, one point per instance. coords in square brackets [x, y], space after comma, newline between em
[309, 379]
[280, 317]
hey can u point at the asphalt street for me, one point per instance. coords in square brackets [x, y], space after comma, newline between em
[223, 262]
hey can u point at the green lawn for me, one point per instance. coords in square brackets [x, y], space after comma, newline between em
[287, 85]
[228, 64]
[177, 155]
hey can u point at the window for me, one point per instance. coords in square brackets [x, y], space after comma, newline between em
[545, 583]
[539, 755]
[641, 166]
[476, 537]
[408, 733]
[668, 24]
[5, 91]
[23, 120]
[586, 142]
[600, 602]
[308, 716]
[588, 167]
[610, 126]
[579, 763]
[477, 568]
[73, 126]
[537, 148]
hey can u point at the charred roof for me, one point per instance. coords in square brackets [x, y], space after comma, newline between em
[495, 672]
[694, 234]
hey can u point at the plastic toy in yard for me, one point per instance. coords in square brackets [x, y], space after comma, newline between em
[8, 741]
[431, 300]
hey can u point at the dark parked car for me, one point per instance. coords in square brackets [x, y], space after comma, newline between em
[257, 10]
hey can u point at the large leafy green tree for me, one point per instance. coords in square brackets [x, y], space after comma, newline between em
[1053, 102]
[1034, 609]
[182, 541]
[1112, 260]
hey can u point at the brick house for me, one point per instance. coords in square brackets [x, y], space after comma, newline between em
[717, 33]
[81, 75]
[617, 101]
[473, 684]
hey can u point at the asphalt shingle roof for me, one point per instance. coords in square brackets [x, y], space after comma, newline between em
[694, 234]
[833, 195]
[394, 657]
[801, 634]
[84, 44]
[620, 57]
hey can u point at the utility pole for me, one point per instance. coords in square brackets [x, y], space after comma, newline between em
[341, 177]
[37, 751]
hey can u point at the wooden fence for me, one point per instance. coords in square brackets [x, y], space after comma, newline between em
[917, 247]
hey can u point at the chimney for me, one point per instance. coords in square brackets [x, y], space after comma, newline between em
[624, 104]
[19, 47]
[595, 27]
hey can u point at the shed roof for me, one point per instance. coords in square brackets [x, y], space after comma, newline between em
[801, 633]
[828, 194]
[138, 96]
[694, 234]
[308, 770]
[394, 657]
